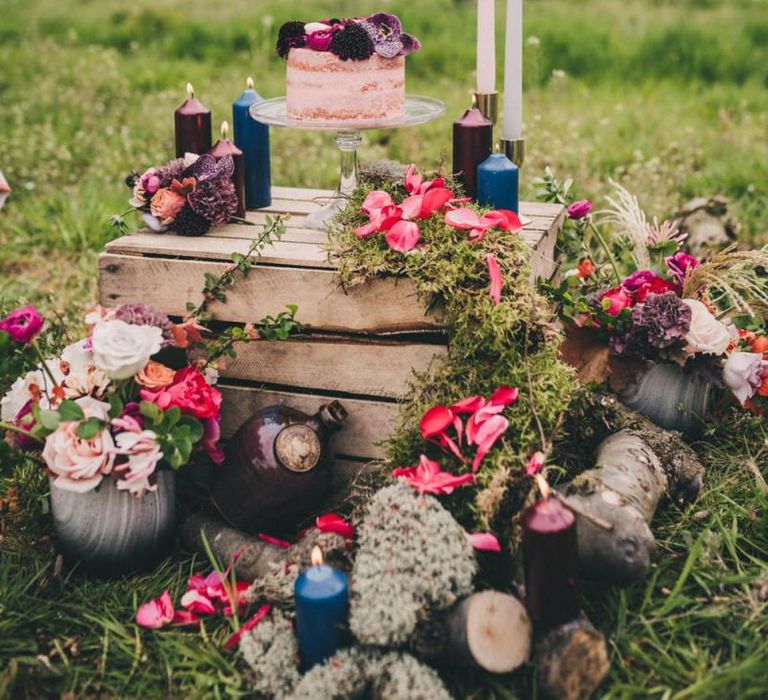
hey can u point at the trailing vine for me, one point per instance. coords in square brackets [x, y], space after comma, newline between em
[512, 342]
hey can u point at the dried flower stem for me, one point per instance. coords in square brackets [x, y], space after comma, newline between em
[604, 245]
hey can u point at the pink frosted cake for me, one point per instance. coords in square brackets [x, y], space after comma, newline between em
[346, 70]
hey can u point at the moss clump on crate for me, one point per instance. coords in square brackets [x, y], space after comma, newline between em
[490, 344]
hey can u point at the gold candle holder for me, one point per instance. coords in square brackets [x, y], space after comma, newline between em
[514, 149]
[488, 104]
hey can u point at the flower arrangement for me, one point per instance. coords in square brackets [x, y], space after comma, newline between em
[108, 405]
[355, 39]
[650, 301]
[187, 195]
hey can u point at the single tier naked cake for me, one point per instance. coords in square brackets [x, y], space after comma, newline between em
[346, 70]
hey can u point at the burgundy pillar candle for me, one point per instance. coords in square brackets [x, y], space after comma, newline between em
[472, 143]
[225, 147]
[551, 561]
[193, 126]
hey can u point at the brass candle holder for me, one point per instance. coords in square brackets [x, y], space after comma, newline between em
[488, 104]
[514, 149]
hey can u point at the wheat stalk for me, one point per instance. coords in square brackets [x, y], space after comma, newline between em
[627, 218]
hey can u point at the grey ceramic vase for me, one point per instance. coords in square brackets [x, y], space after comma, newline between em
[671, 397]
[111, 532]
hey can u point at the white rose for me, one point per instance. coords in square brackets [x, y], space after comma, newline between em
[121, 350]
[21, 391]
[707, 334]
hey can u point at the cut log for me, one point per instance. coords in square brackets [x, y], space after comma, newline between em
[622, 491]
[490, 630]
[571, 660]
[257, 558]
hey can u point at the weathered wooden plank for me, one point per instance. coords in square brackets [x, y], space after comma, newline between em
[376, 368]
[212, 247]
[302, 193]
[367, 425]
[542, 259]
[380, 306]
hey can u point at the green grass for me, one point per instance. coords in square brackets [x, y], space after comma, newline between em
[668, 96]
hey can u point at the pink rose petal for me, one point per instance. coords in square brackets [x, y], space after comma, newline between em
[331, 522]
[377, 199]
[434, 199]
[462, 218]
[234, 640]
[535, 464]
[497, 283]
[484, 541]
[156, 613]
[403, 236]
[196, 602]
[413, 179]
[273, 540]
[487, 435]
[185, 618]
[504, 395]
[411, 206]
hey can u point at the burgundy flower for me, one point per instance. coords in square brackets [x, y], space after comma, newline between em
[388, 37]
[679, 264]
[579, 209]
[644, 282]
[23, 325]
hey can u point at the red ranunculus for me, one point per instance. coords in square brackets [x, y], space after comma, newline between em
[657, 285]
[617, 299]
[189, 392]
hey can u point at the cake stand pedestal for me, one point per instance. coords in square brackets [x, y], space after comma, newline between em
[349, 137]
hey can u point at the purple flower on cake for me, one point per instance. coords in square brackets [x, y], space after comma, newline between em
[388, 37]
[319, 35]
[743, 373]
[679, 264]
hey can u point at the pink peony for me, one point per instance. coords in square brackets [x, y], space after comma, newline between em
[79, 465]
[579, 209]
[617, 299]
[23, 325]
[743, 374]
[149, 182]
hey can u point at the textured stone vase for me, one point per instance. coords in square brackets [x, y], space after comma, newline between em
[112, 532]
[671, 397]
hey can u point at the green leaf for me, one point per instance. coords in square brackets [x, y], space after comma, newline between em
[292, 308]
[89, 428]
[238, 258]
[172, 416]
[151, 411]
[49, 419]
[116, 406]
[68, 411]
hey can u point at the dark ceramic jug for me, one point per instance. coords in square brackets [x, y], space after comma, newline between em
[278, 466]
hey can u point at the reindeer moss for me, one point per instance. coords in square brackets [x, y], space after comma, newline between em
[512, 342]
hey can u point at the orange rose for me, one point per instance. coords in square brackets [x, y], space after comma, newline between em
[165, 205]
[155, 376]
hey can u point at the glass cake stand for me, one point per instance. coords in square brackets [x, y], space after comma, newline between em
[349, 136]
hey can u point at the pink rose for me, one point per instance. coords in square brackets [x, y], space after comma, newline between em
[617, 300]
[579, 209]
[743, 373]
[79, 465]
[190, 392]
[23, 325]
[706, 335]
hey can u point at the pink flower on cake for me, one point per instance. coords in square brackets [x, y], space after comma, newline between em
[77, 464]
[707, 334]
[121, 350]
[23, 324]
[189, 392]
[427, 477]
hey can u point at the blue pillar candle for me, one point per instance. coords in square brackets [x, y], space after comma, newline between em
[498, 182]
[252, 138]
[322, 607]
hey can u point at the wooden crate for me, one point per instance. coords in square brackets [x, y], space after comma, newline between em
[361, 346]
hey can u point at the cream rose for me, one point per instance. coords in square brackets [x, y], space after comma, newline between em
[707, 334]
[79, 465]
[121, 350]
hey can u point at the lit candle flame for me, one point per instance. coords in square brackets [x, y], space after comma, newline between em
[224, 129]
[190, 90]
[249, 83]
[541, 482]
[317, 555]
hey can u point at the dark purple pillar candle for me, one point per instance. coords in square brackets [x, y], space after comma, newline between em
[472, 144]
[225, 147]
[193, 126]
[551, 562]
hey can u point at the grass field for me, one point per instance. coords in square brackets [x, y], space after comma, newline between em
[668, 96]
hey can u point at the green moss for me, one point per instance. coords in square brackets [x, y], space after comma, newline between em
[512, 342]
